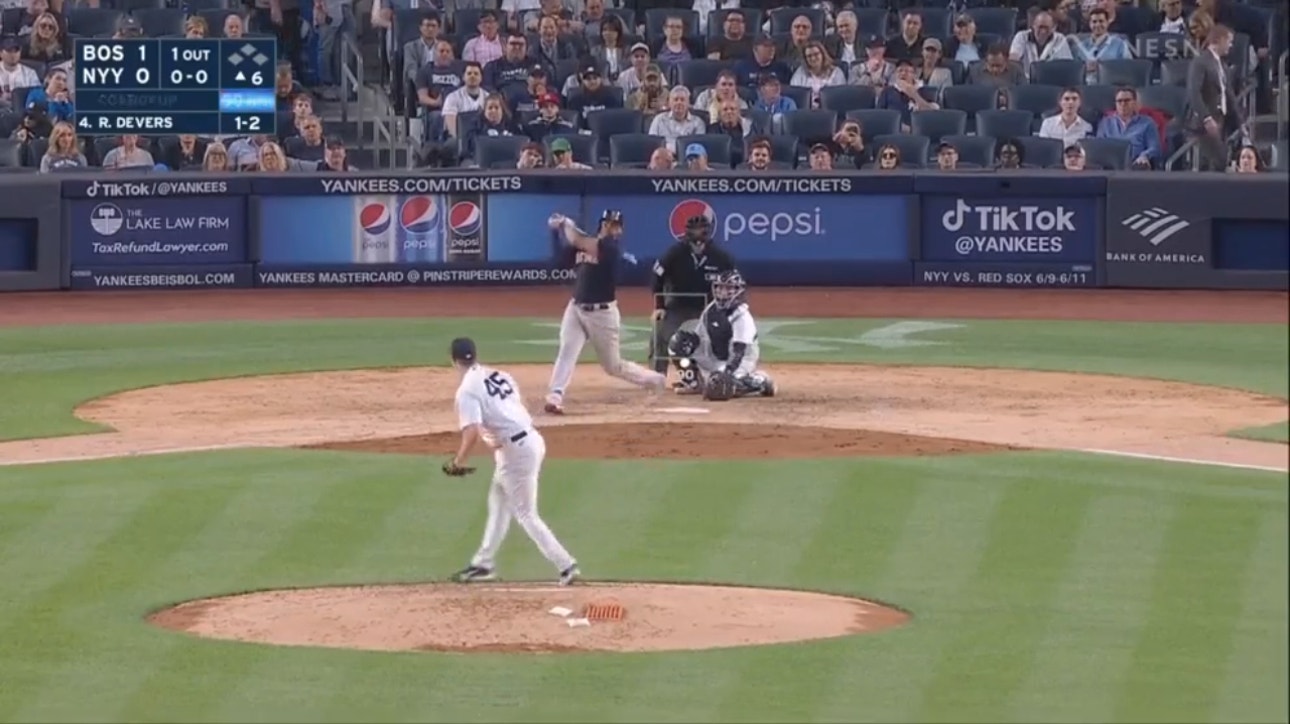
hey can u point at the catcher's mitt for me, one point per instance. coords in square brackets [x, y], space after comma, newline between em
[719, 387]
[456, 471]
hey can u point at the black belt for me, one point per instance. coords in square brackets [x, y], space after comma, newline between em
[592, 307]
[519, 436]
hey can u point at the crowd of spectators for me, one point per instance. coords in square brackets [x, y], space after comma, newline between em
[976, 84]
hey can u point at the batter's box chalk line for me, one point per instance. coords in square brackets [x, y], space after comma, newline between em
[685, 410]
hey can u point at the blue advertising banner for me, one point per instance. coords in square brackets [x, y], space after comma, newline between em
[1022, 276]
[134, 232]
[407, 275]
[215, 276]
[355, 185]
[17, 245]
[455, 229]
[771, 228]
[1009, 230]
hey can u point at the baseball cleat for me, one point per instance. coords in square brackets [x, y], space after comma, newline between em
[768, 389]
[570, 575]
[474, 574]
[552, 408]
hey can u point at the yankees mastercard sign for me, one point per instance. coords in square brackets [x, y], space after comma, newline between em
[770, 227]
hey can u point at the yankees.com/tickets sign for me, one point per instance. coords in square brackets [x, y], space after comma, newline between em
[139, 232]
[1010, 230]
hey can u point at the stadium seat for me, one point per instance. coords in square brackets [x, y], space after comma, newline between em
[1171, 99]
[1057, 72]
[10, 153]
[103, 144]
[584, 148]
[810, 127]
[613, 122]
[498, 151]
[914, 150]
[214, 18]
[9, 121]
[194, 6]
[465, 21]
[1107, 153]
[701, 72]
[935, 124]
[1038, 100]
[872, 22]
[1278, 160]
[1131, 71]
[876, 122]
[1004, 124]
[1160, 46]
[92, 22]
[783, 149]
[1098, 99]
[801, 96]
[1174, 72]
[717, 144]
[1041, 152]
[761, 120]
[157, 22]
[846, 98]
[781, 20]
[976, 150]
[971, 99]
[996, 21]
[627, 15]
[937, 21]
[628, 149]
[35, 152]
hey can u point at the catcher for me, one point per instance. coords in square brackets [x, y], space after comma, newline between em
[719, 358]
[489, 408]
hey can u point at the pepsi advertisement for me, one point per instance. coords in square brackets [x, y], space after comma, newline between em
[141, 232]
[1010, 230]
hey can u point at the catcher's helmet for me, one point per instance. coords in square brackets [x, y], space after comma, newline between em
[729, 290]
[683, 343]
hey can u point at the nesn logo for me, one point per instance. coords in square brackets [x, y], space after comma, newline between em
[1156, 224]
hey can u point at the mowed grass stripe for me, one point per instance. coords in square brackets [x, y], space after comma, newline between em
[1099, 608]
[1179, 660]
[74, 627]
[1006, 612]
[936, 548]
[341, 526]
[1254, 682]
[274, 499]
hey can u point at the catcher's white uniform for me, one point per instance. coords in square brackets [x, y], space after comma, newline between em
[718, 330]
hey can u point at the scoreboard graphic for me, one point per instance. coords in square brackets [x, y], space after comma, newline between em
[165, 87]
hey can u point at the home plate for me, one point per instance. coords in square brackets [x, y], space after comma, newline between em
[685, 410]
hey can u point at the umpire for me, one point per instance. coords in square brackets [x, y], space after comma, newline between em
[682, 284]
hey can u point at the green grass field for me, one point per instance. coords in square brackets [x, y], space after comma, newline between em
[1045, 586]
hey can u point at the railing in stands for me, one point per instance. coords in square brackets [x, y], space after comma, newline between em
[353, 77]
[1283, 94]
[1247, 98]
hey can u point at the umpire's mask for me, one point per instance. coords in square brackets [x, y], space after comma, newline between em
[698, 232]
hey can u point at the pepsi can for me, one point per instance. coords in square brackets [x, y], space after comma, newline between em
[374, 230]
[420, 228]
[467, 229]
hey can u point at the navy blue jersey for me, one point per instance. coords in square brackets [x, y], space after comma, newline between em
[596, 275]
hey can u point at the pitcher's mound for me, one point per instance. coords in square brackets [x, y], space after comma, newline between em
[529, 618]
[693, 441]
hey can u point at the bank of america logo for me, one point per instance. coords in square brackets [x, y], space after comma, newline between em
[1156, 224]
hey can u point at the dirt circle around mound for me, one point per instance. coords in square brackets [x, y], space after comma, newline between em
[530, 617]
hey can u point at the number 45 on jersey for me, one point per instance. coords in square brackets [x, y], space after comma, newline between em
[498, 386]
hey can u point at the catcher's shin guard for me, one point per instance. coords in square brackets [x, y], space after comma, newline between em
[755, 384]
[689, 381]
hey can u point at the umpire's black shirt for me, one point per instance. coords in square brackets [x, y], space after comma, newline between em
[681, 271]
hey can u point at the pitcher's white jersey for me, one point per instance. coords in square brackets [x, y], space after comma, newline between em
[719, 329]
[491, 398]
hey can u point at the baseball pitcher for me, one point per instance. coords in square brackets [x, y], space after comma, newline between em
[592, 315]
[719, 358]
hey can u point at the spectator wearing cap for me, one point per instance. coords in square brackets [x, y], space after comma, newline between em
[611, 53]
[1099, 44]
[661, 159]
[494, 120]
[817, 71]
[762, 63]
[487, 46]
[726, 90]
[734, 42]
[903, 96]
[931, 72]
[728, 121]
[908, 43]
[964, 46]
[525, 99]
[1067, 125]
[651, 97]
[439, 78]
[128, 155]
[531, 157]
[13, 74]
[549, 122]
[845, 45]
[35, 123]
[849, 149]
[1041, 43]
[632, 78]
[820, 158]
[678, 121]
[793, 51]
[550, 48]
[947, 157]
[771, 98]
[696, 158]
[562, 156]
[128, 27]
[469, 97]
[675, 47]
[334, 160]
[422, 51]
[594, 94]
[997, 69]
[875, 70]
[759, 155]
[512, 69]
[1074, 159]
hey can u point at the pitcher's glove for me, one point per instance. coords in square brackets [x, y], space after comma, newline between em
[719, 387]
[453, 470]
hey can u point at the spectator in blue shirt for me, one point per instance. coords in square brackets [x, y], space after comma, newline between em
[1139, 130]
[762, 64]
[1099, 44]
[770, 97]
[55, 96]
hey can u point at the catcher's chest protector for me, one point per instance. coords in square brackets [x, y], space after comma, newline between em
[716, 325]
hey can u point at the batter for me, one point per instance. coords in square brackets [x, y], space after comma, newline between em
[592, 315]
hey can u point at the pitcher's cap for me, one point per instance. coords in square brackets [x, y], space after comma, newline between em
[463, 349]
